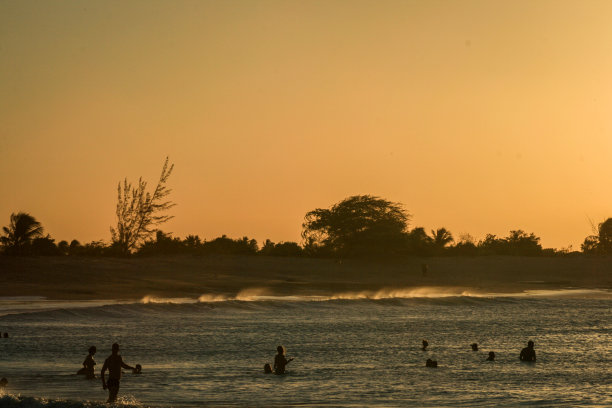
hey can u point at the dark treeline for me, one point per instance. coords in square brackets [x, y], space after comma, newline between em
[356, 227]
[359, 226]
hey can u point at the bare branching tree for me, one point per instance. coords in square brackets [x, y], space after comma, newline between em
[139, 212]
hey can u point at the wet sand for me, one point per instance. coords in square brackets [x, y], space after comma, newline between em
[191, 276]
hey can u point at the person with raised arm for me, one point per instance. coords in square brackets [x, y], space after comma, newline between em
[280, 361]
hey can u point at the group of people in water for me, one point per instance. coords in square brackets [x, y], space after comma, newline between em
[114, 363]
[280, 360]
[527, 354]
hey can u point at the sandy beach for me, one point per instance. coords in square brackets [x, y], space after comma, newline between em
[192, 276]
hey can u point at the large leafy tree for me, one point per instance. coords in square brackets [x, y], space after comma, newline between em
[139, 211]
[605, 236]
[601, 243]
[358, 225]
[20, 233]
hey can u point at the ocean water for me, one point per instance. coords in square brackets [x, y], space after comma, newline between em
[350, 350]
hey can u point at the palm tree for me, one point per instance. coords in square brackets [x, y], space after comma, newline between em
[20, 233]
[441, 237]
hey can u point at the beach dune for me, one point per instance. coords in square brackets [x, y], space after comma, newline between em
[193, 276]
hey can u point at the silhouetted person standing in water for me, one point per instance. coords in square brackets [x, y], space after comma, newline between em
[491, 356]
[425, 344]
[113, 363]
[280, 361]
[89, 363]
[528, 353]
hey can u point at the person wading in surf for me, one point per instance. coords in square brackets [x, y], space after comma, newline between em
[280, 361]
[113, 363]
[528, 353]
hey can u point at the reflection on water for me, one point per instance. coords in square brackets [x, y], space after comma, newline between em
[364, 352]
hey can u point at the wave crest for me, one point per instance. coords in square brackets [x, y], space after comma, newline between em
[245, 295]
[407, 293]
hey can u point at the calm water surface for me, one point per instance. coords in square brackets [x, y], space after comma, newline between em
[347, 352]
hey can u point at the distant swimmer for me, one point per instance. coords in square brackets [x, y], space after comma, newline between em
[280, 361]
[491, 356]
[425, 344]
[267, 368]
[3, 382]
[474, 346]
[431, 363]
[113, 363]
[528, 353]
[88, 364]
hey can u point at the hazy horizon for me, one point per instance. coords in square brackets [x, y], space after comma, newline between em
[479, 116]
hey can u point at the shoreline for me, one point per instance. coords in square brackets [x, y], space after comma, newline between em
[83, 278]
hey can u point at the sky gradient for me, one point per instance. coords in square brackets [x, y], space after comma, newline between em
[478, 116]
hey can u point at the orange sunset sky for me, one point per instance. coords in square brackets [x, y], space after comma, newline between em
[479, 116]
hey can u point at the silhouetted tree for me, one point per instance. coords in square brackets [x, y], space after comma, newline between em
[419, 243]
[75, 247]
[491, 245]
[358, 226]
[520, 243]
[605, 236]
[441, 238]
[466, 246]
[192, 243]
[281, 249]
[63, 247]
[44, 246]
[20, 233]
[163, 244]
[138, 211]
[225, 245]
[601, 243]
[93, 248]
[590, 245]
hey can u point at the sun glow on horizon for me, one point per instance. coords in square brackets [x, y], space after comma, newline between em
[480, 117]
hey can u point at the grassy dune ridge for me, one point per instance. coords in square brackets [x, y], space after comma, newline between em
[192, 276]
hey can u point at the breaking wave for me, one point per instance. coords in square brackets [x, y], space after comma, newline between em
[18, 401]
[253, 299]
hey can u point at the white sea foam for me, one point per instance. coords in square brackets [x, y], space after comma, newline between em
[432, 292]
[19, 401]
[157, 299]
[245, 295]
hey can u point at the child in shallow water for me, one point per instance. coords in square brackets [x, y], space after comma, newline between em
[88, 364]
[280, 361]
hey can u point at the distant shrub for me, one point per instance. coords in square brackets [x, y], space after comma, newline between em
[281, 249]
[44, 246]
[225, 245]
